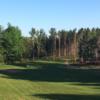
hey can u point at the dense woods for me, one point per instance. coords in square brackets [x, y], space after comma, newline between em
[82, 46]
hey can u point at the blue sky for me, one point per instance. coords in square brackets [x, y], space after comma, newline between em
[61, 14]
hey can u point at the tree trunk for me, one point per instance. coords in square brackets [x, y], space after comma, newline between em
[54, 49]
[64, 46]
[59, 48]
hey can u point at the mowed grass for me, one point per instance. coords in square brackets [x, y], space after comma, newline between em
[48, 81]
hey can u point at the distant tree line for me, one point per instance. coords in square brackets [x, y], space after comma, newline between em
[81, 45]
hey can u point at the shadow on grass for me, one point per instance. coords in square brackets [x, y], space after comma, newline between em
[68, 97]
[53, 72]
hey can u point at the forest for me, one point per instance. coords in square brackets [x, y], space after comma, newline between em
[75, 46]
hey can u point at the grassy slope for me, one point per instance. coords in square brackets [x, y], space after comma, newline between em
[48, 81]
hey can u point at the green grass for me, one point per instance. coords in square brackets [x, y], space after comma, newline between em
[48, 81]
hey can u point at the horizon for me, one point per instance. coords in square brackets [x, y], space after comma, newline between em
[62, 14]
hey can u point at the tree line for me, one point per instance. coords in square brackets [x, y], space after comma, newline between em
[81, 45]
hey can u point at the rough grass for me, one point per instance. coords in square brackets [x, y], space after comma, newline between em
[48, 81]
